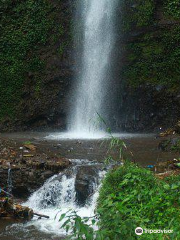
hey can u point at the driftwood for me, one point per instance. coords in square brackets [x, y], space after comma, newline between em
[40, 215]
[11, 210]
[8, 209]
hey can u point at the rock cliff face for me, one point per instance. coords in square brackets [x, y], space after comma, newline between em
[37, 64]
[147, 70]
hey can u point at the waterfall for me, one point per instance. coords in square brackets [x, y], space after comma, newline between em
[92, 85]
[9, 181]
[58, 195]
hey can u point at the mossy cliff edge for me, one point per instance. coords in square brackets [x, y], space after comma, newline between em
[36, 63]
[148, 63]
[35, 66]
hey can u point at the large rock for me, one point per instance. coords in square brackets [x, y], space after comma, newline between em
[29, 176]
[86, 178]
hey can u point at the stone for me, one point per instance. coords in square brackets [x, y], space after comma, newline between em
[47, 174]
[85, 179]
[30, 147]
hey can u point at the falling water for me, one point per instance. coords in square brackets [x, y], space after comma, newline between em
[91, 94]
[9, 180]
[56, 197]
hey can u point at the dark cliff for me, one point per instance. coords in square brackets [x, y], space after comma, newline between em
[37, 64]
[148, 64]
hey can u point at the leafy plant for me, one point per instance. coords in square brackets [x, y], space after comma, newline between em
[130, 197]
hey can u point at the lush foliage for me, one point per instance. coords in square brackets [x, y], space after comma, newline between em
[153, 56]
[155, 59]
[25, 26]
[131, 197]
[80, 228]
[172, 8]
[137, 13]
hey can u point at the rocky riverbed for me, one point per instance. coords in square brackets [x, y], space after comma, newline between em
[33, 159]
[30, 165]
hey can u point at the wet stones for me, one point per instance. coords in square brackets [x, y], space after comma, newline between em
[171, 144]
[52, 165]
[31, 165]
[31, 174]
[85, 179]
[163, 167]
[30, 147]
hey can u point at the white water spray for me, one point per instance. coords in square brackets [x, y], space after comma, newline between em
[57, 196]
[91, 89]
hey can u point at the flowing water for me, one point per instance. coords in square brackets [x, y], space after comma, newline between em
[57, 196]
[91, 94]
[9, 181]
[91, 99]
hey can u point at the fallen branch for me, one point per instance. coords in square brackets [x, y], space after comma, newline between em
[40, 215]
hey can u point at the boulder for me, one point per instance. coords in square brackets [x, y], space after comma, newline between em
[84, 184]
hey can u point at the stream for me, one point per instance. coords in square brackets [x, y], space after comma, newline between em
[60, 192]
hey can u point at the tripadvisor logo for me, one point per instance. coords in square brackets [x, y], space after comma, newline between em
[139, 231]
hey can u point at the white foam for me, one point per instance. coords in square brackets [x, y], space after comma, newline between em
[77, 135]
[92, 135]
[63, 192]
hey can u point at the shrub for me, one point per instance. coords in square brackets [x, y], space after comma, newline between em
[132, 197]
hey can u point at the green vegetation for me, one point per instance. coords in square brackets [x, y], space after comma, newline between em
[141, 13]
[131, 197]
[27, 143]
[176, 146]
[137, 13]
[154, 55]
[155, 60]
[172, 8]
[25, 26]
